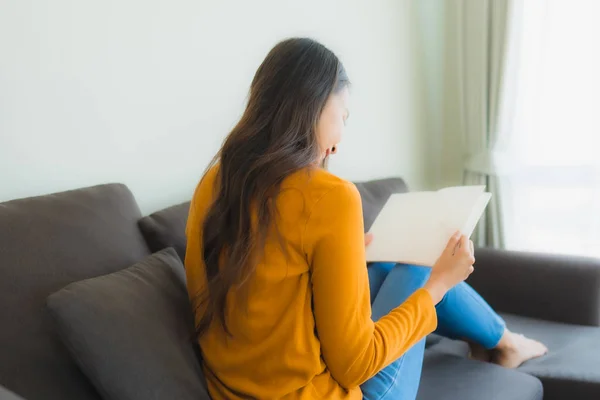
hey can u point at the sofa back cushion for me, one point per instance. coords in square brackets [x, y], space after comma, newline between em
[46, 243]
[166, 228]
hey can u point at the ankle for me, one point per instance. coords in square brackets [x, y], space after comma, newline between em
[506, 342]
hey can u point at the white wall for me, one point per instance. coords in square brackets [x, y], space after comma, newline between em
[436, 39]
[143, 92]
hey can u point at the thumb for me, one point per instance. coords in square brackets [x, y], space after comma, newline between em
[454, 240]
[368, 239]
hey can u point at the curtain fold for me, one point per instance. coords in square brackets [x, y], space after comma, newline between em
[488, 61]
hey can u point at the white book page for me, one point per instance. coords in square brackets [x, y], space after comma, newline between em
[414, 228]
[476, 213]
[456, 207]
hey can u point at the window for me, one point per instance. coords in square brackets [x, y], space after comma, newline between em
[553, 203]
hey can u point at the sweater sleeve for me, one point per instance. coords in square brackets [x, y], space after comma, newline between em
[353, 346]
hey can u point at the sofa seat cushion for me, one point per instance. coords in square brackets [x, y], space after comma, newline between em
[571, 369]
[450, 377]
[132, 331]
[8, 395]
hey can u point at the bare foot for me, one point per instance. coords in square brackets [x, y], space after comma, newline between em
[478, 352]
[514, 349]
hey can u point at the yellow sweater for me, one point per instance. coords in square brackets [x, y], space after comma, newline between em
[305, 331]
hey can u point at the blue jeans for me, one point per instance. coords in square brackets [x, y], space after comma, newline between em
[462, 314]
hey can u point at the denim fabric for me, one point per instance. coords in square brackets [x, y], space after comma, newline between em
[462, 314]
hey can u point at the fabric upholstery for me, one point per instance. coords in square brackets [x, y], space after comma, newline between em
[450, 377]
[571, 369]
[8, 395]
[544, 286]
[46, 243]
[132, 331]
[166, 228]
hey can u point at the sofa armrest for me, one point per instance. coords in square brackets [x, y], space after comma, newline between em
[551, 287]
[5, 394]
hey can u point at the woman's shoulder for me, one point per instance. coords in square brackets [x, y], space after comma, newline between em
[318, 182]
[205, 189]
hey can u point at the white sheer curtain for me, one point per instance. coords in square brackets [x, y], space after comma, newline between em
[553, 202]
[487, 51]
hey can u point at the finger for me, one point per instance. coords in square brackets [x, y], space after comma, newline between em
[451, 246]
[368, 239]
[464, 244]
[472, 247]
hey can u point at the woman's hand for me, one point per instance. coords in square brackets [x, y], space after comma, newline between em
[454, 266]
[368, 239]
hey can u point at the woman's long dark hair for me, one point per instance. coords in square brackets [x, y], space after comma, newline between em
[274, 138]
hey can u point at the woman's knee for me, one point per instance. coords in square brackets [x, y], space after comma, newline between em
[401, 282]
[412, 276]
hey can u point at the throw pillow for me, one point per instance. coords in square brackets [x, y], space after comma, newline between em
[132, 331]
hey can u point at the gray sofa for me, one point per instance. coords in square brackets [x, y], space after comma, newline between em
[83, 238]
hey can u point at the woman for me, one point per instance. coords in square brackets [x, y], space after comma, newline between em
[276, 259]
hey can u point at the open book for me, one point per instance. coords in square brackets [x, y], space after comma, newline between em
[414, 228]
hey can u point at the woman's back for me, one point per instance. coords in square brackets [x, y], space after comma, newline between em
[273, 350]
[301, 324]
